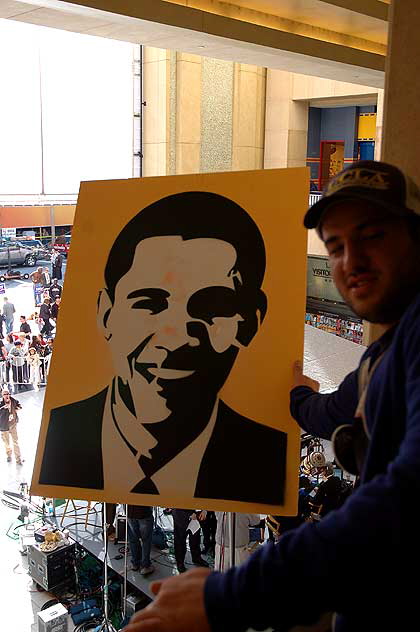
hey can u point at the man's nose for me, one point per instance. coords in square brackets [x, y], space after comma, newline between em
[175, 330]
[354, 257]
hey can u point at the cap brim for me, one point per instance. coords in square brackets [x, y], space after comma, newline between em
[314, 214]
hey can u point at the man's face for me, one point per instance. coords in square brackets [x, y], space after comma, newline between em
[375, 262]
[6, 396]
[174, 321]
[22, 320]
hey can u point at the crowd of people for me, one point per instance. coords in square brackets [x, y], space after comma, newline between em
[25, 349]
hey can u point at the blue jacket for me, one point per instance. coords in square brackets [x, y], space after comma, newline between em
[362, 560]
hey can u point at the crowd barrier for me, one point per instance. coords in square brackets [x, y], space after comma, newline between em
[13, 374]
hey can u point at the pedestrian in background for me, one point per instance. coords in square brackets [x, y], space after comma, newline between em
[8, 315]
[140, 532]
[8, 421]
[34, 362]
[55, 290]
[37, 279]
[45, 315]
[182, 519]
[56, 266]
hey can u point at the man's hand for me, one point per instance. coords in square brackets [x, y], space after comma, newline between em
[299, 379]
[178, 607]
[202, 515]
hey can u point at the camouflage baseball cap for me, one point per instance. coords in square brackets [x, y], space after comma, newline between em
[379, 183]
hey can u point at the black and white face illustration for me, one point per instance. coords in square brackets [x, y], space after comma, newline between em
[179, 314]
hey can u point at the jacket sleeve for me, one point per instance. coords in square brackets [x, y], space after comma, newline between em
[321, 413]
[367, 542]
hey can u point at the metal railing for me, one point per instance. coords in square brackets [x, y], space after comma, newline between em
[314, 197]
[17, 375]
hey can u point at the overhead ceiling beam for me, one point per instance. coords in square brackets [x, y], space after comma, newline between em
[372, 8]
[169, 25]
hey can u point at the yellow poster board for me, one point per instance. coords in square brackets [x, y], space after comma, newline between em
[183, 310]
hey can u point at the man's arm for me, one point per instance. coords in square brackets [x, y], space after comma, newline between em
[320, 414]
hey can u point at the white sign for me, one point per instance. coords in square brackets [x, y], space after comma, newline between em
[8, 232]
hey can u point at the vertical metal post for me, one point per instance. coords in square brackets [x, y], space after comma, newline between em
[138, 105]
[106, 625]
[232, 538]
[125, 562]
[52, 222]
[41, 121]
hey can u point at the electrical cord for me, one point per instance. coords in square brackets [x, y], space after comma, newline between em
[48, 604]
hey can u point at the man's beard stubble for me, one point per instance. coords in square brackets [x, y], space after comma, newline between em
[396, 300]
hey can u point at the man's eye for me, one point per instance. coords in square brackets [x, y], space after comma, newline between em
[213, 302]
[336, 250]
[376, 235]
[155, 305]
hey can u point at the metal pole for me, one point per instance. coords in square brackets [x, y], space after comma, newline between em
[106, 624]
[41, 121]
[125, 563]
[142, 104]
[52, 222]
[232, 532]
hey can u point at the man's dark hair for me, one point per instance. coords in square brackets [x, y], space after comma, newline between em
[195, 215]
[24, 317]
[191, 215]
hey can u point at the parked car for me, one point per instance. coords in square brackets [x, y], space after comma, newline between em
[40, 248]
[17, 254]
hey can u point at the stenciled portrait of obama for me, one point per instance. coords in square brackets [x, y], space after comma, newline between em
[181, 297]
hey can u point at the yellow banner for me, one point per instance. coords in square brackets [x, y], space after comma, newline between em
[183, 310]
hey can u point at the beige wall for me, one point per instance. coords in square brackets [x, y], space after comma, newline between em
[216, 115]
[188, 113]
[286, 126]
[288, 96]
[155, 123]
[248, 117]
[305, 87]
[202, 114]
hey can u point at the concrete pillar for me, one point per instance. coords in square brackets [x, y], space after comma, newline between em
[401, 130]
[379, 124]
[248, 117]
[188, 113]
[401, 136]
[286, 128]
[155, 126]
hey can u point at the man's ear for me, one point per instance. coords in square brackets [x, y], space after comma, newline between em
[252, 320]
[104, 307]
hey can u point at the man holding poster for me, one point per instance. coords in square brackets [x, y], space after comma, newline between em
[356, 561]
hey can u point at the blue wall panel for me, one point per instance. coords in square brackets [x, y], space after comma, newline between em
[341, 124]
[366, 109]
[314, 132]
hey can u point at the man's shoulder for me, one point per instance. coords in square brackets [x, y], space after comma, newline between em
[77, 411]
[74, 438]
[246, 448]
[233, 421]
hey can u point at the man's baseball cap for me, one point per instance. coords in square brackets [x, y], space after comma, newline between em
[379, 183]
